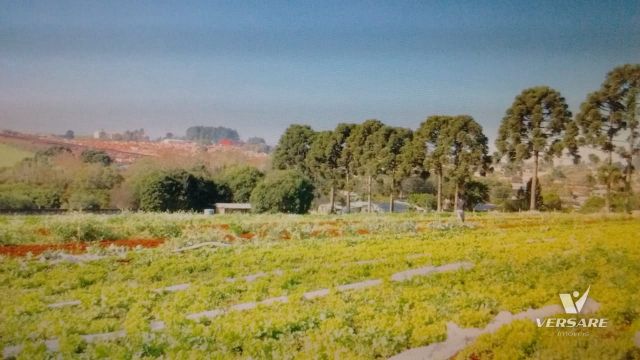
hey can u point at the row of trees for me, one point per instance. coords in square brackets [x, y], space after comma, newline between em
[538, 126]
[443, 145]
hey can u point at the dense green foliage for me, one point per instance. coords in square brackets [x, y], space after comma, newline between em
[176, 190]
[96, 156]
[284, 191]
[241, 180]
[538, 124]
[293, 147]
[609, 120]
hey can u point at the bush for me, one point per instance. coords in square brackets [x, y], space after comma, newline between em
[240, 180]
[624, 202]
[425, 201]
[82, 230]
[417, 185]
[176, 190]
[13, 201]
[475, 192]
[92, 156]
[23, 197]
[592, 204]
[551, 201]
[84, 200]
[285, 191]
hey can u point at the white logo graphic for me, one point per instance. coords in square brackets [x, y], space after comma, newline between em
[571, 307]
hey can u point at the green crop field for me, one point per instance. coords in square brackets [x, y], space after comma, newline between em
[10, 155]
[275, 286]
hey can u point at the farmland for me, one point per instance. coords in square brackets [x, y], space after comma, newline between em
[354, 286]
[11, 155]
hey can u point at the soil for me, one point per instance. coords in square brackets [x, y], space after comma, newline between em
[75, 247]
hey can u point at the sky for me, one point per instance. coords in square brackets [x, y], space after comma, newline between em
[260, 66]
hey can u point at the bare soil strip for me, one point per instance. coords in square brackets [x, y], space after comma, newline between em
[458, 338]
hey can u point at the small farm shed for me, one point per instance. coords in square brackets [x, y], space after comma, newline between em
[230, 208]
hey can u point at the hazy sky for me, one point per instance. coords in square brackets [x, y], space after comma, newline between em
[259, 66]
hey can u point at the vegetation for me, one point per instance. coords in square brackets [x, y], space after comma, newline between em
[284, 191]
[608, 117]
[538, 124]
[176, 190]
[446, 156]
[96, 157]
[240, 181]
[11, 155]
[535, 257]
[211, 135]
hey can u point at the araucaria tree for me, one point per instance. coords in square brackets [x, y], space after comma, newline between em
[324, 160]
[363, 146]
[468, 151]
[293, 147]
[393, 143]
[609, 116]
[454, 146]
[538, 124]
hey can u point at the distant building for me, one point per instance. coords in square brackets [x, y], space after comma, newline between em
[229, 208]
[173, 141]
[101, 135]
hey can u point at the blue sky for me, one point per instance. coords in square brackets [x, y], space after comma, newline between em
[259, 66]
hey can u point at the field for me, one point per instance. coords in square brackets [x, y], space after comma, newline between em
[10, 155]
[276, 286]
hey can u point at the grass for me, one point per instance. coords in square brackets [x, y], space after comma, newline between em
[520, 261]
[10, 155]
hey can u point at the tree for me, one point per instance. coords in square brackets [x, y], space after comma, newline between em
[241, 180]
[292, 149]
[392, 145]
[475, 192]
[363, 145]
[609, 115]
[286, 191]
[210, 134]
[535, 195]
[538, 123]
[92, 156]
[428, 150]
[69, 134]
[468, 152]
[346, 165]
[450, 144]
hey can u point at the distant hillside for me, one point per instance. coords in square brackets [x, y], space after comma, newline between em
[10, 155]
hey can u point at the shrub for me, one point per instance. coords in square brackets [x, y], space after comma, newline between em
[551, 201]
[426, 201]
[241, 180]
[83, 230]
[283, 191]
[84, 200]
[93, 156]
[417, 185]
[176, 190]
[475, 192]
[592, 204]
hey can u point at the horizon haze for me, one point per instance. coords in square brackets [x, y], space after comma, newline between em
[259, 67]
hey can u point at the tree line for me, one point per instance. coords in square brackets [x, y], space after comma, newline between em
[537, 126]
[446, 155]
